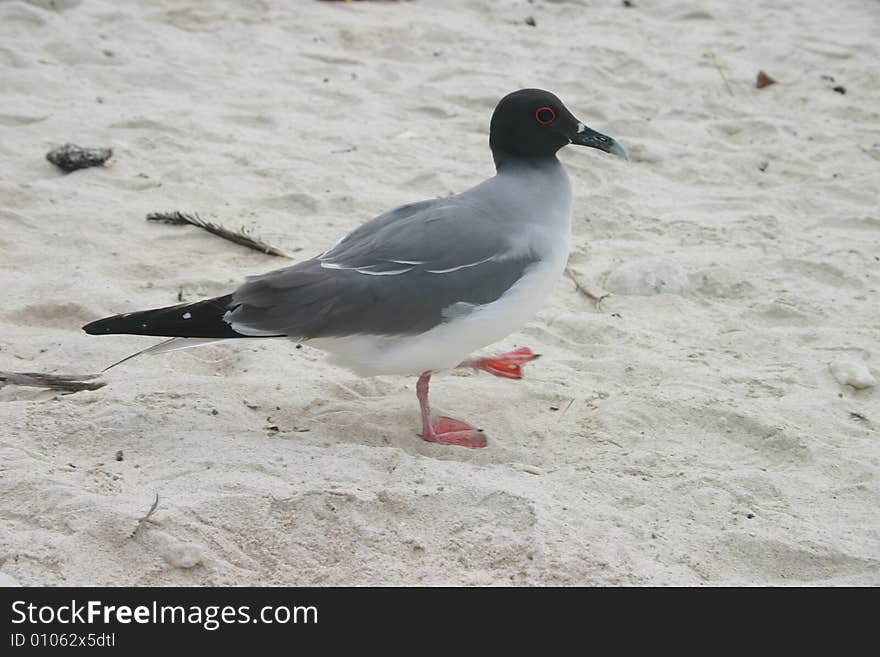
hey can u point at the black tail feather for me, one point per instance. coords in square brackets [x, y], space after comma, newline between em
[202, 319]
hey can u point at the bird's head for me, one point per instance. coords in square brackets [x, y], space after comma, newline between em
[533, 123]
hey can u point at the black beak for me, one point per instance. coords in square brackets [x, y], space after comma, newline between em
[587, 137]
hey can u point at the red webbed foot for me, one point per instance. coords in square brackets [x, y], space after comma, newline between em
[449, 431]
[508, 365]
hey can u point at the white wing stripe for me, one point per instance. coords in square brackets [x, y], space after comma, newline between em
[451, 269]
[364, 269]
[333, 265]
[390, 272]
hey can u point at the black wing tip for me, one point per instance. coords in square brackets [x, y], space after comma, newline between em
[201, 319]
[99, 326]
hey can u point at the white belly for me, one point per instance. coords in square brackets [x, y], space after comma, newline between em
[448, 344]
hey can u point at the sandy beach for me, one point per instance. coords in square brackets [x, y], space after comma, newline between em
[715, 420]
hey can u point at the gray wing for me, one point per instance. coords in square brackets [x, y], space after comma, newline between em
[402, 273]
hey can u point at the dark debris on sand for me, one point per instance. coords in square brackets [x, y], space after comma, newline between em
[71, 157]
[763, 80]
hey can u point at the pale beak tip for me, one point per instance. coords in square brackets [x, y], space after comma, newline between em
[618, 150]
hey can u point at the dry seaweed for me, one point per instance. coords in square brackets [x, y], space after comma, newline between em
[241, 237]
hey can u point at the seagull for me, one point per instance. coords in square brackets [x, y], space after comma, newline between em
[420, 288]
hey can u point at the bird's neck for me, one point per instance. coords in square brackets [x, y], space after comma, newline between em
[506, 161]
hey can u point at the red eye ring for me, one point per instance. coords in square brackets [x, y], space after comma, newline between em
[541, 115]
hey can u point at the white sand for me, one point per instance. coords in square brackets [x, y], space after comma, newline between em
[701, 437]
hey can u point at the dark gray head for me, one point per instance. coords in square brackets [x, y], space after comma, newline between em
[534, 124]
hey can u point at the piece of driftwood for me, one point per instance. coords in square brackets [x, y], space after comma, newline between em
[241, 237]
[71, 157]
[64, 383]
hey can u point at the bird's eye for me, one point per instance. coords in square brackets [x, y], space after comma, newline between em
[545, 115]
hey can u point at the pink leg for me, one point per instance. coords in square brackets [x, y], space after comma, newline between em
[445, 430]
[507, 365]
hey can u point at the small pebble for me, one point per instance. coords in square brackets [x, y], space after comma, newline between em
[119, 455]
[183, 555]
[852, 372]
[531, 21]
[652, 275]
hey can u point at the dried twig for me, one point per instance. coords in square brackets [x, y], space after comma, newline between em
[68, 383]
[595, 298]
[242, 237]
[146, 517]
[721, 73]
[71, 157]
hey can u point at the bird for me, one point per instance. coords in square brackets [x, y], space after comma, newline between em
[419, 289]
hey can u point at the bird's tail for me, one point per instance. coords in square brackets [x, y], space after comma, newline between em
[187, 324]
[174, 344]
